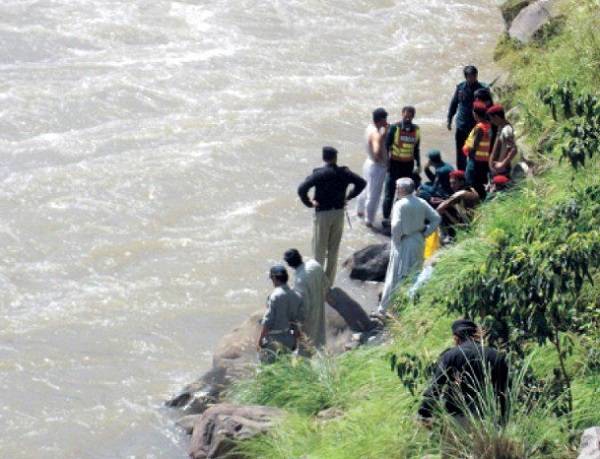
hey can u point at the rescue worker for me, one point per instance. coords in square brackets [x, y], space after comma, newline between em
[459, 382]
[505, 147]
[462, 106]
[403, 144]
[413, 220]
[329, 201]
[477, 149]
[282, 319]
[375, 166]
[439, 179]
[311, 283]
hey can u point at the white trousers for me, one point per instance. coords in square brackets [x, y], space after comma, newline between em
[374, 174]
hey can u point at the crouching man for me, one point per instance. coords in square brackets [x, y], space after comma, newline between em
[281, 322]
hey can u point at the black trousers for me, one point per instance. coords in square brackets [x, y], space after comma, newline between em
[396, 170]
[477, 176]
[461, 137]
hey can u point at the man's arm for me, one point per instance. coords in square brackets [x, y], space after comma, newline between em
[358, 184]
[452, 108]
[389, 139]
[476, 141]
[417, 153]
[494, 154]
[433, 217]
[451, 200]
[512, 150]
[433, 392]
[430, 175]
[304, 187]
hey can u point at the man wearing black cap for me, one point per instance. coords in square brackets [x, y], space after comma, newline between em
[439, 179]
[461, 374]
[329, 200]
[462, 106]
[282, 319]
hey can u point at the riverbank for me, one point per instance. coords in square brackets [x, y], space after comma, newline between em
[544, 221]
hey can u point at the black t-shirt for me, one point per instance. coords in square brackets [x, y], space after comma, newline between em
[460, 376]
[330, 183]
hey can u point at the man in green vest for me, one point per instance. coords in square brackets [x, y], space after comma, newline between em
[403, 144]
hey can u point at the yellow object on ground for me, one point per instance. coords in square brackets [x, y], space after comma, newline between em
[432, 243]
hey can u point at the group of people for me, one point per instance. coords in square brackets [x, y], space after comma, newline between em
[412, 211]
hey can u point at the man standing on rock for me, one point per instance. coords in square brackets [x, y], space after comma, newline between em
[462, 106]
[282, 319]
[312, 284]
[375, 166]
[412, 221]
[403, 144]
[329, 201]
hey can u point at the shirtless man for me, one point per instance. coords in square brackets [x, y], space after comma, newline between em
[505, 147]
[375, 166]
[458, 208]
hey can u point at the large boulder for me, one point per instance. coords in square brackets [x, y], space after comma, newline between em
[370, 263]
[235, 357]
[532, 18]
[216, 432]
[590, 444]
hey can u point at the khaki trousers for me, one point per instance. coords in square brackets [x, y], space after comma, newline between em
[328, 226]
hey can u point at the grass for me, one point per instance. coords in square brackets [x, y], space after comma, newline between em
[377, 412]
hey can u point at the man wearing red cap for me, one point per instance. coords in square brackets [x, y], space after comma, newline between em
[505, 147]
[477, 149]
[499, 184]
[458, 208]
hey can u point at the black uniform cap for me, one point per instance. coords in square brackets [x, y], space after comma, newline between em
[277, 270]
[464, 328]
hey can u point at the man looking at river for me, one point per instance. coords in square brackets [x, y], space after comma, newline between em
[312, 284]
[412, 221]
[329, 201]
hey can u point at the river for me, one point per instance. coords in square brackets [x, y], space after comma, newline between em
[149, 156]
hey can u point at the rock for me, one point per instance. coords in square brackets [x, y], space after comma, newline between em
[511, 8]
[329, 413]
[532, 18]
[216, 431]
[352, 312]
[187, 422]
[590, 444]
[370, 263]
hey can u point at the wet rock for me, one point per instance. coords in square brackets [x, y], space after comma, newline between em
[532, 18]
[187, 422]
[352, 312]
[590, 444]
[221, 426]
[370, 263]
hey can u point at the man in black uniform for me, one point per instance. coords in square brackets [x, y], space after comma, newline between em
[330, 182]
[462, 106]
[460, 375]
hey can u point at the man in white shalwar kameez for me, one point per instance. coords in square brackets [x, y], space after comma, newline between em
[311, 282]
[413, 219]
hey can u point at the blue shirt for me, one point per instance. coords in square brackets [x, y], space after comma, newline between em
[462, 105]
